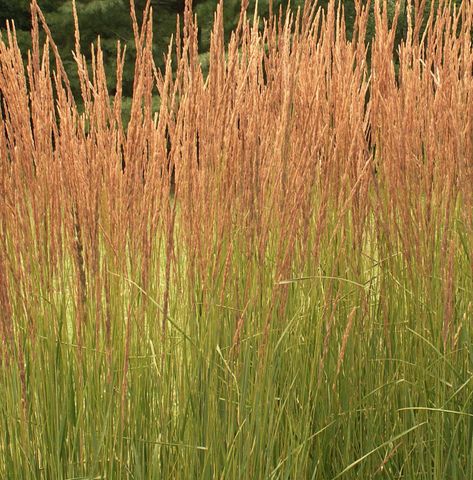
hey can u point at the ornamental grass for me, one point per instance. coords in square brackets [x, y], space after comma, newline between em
[269, 277]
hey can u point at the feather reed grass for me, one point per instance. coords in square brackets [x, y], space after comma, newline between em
[270, 277]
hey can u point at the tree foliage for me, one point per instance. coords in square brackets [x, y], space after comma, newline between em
[110, 19]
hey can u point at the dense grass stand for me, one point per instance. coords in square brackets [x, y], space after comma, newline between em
[285, 312]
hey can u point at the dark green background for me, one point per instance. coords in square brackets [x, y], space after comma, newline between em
[111, 20]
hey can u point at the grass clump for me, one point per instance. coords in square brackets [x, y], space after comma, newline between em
[270, 278]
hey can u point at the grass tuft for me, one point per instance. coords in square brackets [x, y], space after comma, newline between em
[270, 277]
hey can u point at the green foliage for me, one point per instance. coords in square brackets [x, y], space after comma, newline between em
[110, 19]
[18, 11]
